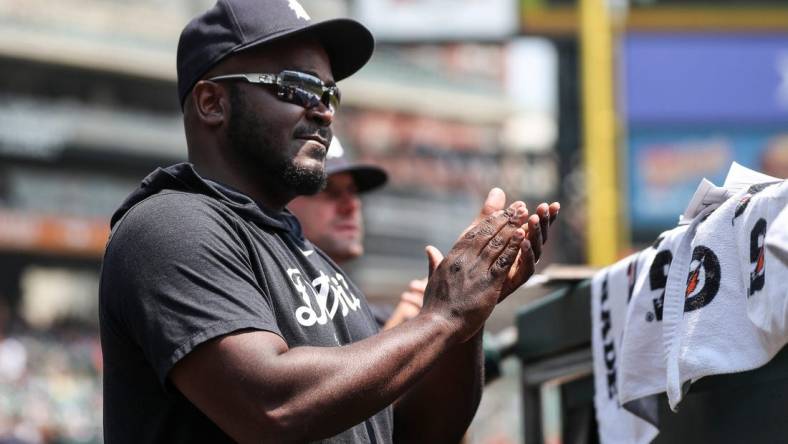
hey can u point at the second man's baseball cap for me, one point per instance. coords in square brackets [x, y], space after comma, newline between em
[367, 177]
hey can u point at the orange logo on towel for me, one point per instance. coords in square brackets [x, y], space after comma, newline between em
[693, 282]
[705, 269]
[758, 275]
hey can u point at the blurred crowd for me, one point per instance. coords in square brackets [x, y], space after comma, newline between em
[50, 389]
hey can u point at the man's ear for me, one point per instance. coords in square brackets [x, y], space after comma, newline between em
[211, 103]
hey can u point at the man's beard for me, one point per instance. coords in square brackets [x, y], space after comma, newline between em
[304, 181]
[252, 141]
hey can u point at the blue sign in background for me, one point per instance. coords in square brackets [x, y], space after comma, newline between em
[666, 166]
[705, 78]
[694, 103]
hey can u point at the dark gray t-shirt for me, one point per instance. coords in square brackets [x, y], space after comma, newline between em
[189, 260]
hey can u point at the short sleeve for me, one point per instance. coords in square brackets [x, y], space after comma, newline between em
[177, 273]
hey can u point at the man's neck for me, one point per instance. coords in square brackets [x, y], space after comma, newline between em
[267, 194]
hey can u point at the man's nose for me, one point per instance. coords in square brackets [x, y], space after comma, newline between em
[349, 203]
[321, 114]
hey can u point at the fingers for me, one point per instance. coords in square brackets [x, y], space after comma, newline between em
[415, 292]
[418, 285]
[543, 211]
[496, 245]
[406, 310]
[535, 235]
[547, 214]
[526, 262]
[434, 258]
[412, 297]
[495, 201]
[482, 232]
[506, 259]
[555, 207]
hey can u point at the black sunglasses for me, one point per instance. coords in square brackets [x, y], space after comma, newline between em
[294, 87]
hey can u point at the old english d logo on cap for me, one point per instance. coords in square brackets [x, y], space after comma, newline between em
[335, 149]
[299, 10]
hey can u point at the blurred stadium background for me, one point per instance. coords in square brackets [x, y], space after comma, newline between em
[620, 107]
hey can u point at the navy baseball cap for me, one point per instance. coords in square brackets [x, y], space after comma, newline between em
[366, 177]
[232, 26]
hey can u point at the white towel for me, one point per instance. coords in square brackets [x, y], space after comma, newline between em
[707, 326]
[777, 237]
[642, 360]
[611, 290]
[764, 272]
[708, 197]
[642, 365]
[690, 313]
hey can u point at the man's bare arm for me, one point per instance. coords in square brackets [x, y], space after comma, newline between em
[256, 389]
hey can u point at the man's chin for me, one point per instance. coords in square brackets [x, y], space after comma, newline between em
[305, 181]
[345, 255]
[311, 189]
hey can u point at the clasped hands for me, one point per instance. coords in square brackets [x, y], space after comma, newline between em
[493, 257]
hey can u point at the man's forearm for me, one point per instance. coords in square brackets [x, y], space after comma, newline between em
[440, 407]
[308, 393]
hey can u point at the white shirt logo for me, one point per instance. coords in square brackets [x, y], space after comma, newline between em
[299, 10]
[323, 298]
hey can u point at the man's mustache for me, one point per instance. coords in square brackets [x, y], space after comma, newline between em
[323, 132]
